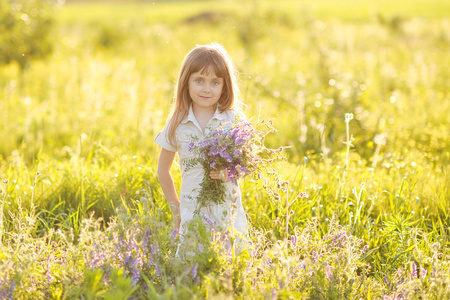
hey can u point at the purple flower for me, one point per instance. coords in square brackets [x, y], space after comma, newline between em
[158, 271]
[225, 155]
[173, 234]
[213, 151]
[154, 249]
[237, 152]
[239, 141]
[414, 270]
[364, 249]
[302, 265]
[424, 272]
[194, 270]
[191, 146]
[328, 271]
[314, 256]
[213, 164]
[208, 220]
[293, 241]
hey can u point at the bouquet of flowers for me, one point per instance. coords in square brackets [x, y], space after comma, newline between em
[234, 147]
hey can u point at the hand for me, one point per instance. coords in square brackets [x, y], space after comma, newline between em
[219, 175]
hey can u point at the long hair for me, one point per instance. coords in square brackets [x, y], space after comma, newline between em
[205, 59]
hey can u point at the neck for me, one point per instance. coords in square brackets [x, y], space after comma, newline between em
[203, 116]
[203, 113]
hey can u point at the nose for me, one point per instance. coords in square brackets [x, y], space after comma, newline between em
[206, 88]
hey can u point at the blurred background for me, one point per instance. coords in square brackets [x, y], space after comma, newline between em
[105, 70]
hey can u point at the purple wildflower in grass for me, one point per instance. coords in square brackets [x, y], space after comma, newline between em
[121, 240]
[269, 262]
[328, 271]
[208, 220]
[274, 294]
[255, 251]
[364, 249]
[249, 265]
[173, 234]
[302, 265]
[194, 270]
[239, 141]
[314, 256]
[237, 153]
[303, 195]
[145, 240]
[414, 270]
[424, 272]
[293, 241]
[7, 290]
[191, 146]
[150, 260]
[154, 249]
[386, 280]
[400, 274]
[158, 271]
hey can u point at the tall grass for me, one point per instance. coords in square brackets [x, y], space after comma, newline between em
[82, 213]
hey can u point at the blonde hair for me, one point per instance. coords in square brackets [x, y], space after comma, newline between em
[205, 59]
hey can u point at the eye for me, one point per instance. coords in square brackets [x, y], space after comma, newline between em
[216, 82]
[198, 80]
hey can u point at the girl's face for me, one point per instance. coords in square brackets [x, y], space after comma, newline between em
[205, 90]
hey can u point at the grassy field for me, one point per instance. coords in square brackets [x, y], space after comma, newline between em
[82, 213]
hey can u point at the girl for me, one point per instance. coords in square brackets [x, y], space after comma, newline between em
[206, 96]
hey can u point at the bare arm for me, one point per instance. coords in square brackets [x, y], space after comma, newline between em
[165, 179]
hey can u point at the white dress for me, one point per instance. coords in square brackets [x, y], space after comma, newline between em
[218, 216]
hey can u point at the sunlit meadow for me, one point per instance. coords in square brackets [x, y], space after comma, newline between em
[359, 209]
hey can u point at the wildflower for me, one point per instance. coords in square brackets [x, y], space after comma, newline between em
[208, 220]
[364, 249]
[158, 271]
[293, 241]
[255, 251]
[348, 117]
[424, 272]
[213, 164]
[145, 240]
[194, 270]
[303, 195]
[154, 249]
[302, 265]
[234, 147]
[328, 271]
[249, 265]
[414, 270]
[173, 234]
